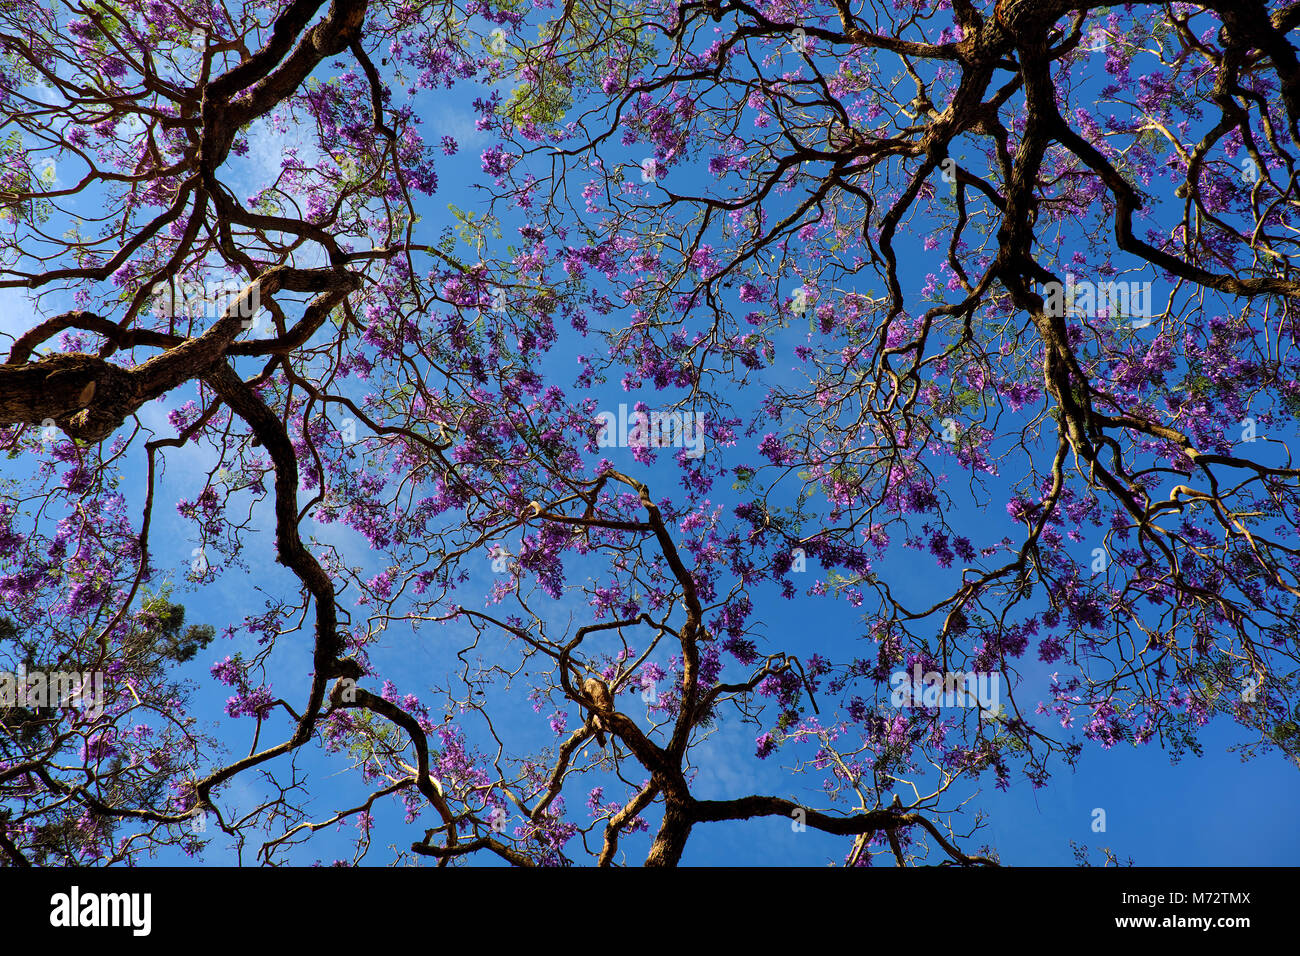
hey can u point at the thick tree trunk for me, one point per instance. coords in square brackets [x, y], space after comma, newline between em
[670, 841]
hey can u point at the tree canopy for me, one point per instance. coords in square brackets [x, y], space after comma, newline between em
[971, 324]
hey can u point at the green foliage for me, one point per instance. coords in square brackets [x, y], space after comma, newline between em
[1286, 733]
[159, 629]
[585, 33]
[474, 231]
[61, 833]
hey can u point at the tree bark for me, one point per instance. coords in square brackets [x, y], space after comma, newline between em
[671, 839]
